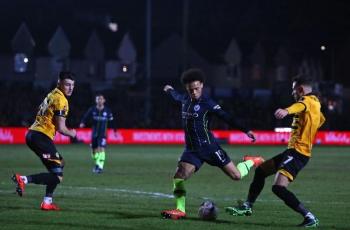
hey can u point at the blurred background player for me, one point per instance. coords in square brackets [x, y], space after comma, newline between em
[201, 146]
[307, 118]
[100, 116]
[50, 118]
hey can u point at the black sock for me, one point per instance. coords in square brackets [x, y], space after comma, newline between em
[49, 179]
[289, 199]
[256, 186]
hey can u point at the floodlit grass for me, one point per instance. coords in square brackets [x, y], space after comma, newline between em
[137, 185]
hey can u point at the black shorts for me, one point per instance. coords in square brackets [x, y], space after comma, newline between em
[213, 155]
[45, 149]
[98, 142]
[290, 162]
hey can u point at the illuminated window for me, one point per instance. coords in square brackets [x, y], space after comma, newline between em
[21, 63]
[125, 68]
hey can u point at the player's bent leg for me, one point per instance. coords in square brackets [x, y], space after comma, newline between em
[280, 189]
[183, 172]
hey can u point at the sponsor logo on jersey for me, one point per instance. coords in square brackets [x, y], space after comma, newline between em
[217, 107]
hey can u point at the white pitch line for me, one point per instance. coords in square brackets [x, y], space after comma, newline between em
[152, 194]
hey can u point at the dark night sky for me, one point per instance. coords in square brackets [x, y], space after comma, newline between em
[301, 26]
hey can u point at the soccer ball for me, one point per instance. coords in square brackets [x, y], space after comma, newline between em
[208, 210]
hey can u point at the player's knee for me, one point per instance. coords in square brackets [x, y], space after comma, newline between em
[236, 176]
[182, 174]
[278, 189]
[60, 179]
[259, 173]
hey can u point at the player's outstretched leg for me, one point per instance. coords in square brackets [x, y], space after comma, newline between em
[292, 201]
[180, 196]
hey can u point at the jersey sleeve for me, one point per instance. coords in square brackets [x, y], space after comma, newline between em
[60, 107]
[228, 118]
[322, 119]
[175, 95]
[297, 107]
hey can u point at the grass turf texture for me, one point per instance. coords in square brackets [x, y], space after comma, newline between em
[137, 183]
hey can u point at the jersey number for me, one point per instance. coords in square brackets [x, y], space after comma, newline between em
[220, 155]
[288, 160]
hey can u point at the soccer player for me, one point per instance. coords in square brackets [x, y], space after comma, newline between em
[100, 115]
[307, 118]
[201, 146]
[50, 118]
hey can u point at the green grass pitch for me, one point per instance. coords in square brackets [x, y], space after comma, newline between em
[137, 185]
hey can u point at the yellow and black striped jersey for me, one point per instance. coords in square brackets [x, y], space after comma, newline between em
[54, 104]
[306, 121]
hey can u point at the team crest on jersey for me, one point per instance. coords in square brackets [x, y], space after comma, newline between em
[196, 108]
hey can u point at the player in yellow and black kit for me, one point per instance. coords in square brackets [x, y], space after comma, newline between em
[50, 118]
[307, 118]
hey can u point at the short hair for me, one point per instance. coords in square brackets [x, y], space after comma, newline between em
[302, 80]
[66, 75]
[192, 75]
[99, 94]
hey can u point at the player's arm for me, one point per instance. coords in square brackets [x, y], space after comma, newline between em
[231, 120]
[322, 120]
[170, 90]
[294, 108]
[112, 122]
[60, 122]
[86, 116]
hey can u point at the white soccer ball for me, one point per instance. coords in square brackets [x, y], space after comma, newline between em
[208, 210]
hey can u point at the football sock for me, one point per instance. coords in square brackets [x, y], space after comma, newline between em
[24, 179]
[256, 186]
[244, 167]
[47, 200]
[289, 199]
[101, 159]
[49, 179]
[95, 157]
[180, 194]
[50, 188]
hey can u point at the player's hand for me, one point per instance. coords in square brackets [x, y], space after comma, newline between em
[82, 125]
[167, 87]
[281, 113]
[251, 135]
[73, 133]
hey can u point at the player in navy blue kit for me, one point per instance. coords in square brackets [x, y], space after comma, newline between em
[201, 145]
[101, 116]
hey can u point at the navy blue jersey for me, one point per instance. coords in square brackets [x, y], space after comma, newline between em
[100, 120]
[196, 116]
